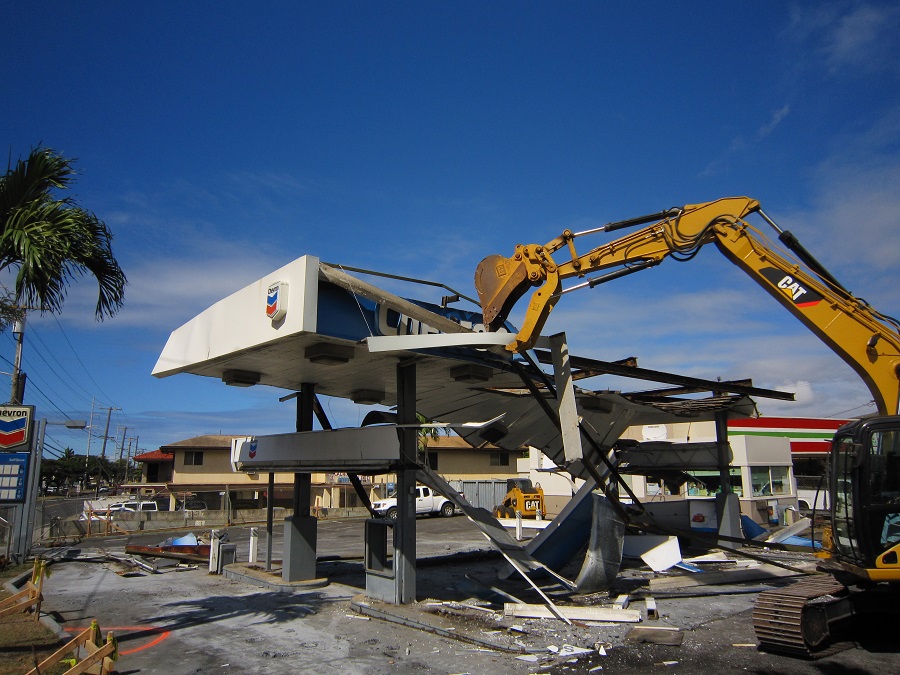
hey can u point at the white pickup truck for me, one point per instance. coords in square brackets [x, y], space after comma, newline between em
[427, 501]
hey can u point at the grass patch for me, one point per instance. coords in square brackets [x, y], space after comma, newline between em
[24, 641]
[8, 572]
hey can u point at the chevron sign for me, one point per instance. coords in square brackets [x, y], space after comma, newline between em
[15, 422]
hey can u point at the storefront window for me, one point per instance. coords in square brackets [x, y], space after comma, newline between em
[781, 484]
[770, 480]
[707, 483]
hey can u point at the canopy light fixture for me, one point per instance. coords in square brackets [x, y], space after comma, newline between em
[367, 396]
[494, 433]
[328, 354]
[470, 373]
[241, 378]
[595, 404]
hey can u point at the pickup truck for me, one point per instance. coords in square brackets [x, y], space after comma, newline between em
[426, 502]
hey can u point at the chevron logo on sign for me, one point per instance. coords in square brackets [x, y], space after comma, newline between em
[276, 300]
[14, 423]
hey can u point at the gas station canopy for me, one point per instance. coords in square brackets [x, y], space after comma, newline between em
[309, 323]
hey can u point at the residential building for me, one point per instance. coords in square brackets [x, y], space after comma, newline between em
[199, 470]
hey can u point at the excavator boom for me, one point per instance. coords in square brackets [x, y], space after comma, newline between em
[867, 340]
[865, 532]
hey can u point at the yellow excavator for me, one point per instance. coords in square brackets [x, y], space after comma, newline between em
[862, 544]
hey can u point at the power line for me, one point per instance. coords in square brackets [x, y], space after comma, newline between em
[870, 404]
[78, 358]
[34, 374]
[65, 380]
[50, 355]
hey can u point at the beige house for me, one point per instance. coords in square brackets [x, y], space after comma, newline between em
[454, 459]
[199, 470]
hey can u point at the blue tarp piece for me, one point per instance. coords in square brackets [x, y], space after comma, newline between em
[801, 541]
[187, 540]
[751, 528]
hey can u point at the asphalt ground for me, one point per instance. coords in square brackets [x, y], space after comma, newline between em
[188, 621]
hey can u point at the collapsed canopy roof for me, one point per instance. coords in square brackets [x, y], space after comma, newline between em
[308, 323]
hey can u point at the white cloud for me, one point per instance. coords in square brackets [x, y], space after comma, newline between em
[165, 291]
[776, 119]
[739, 144]
[802, 390]
[860, 37]
[847, 35]
[852, 222]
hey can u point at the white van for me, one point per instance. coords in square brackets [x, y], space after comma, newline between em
[133, 507]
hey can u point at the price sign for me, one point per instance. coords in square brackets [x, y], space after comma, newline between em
[13, 476]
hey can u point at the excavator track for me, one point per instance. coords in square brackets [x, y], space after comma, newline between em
[782, 625]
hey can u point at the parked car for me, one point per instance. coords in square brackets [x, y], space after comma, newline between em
[192, 505]
[426, 502]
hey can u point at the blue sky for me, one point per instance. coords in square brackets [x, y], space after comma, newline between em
[219, 141]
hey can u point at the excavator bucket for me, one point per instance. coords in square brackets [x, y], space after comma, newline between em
[500, 282]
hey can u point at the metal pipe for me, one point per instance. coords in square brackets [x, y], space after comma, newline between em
[270, 509]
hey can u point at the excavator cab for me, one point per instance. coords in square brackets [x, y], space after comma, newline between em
[865, 482]
[863, 544]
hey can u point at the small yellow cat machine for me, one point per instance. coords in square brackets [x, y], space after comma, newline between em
[521, 497]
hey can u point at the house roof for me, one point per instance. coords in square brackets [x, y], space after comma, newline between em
[155, 456]
[452, 442]
[202, 442]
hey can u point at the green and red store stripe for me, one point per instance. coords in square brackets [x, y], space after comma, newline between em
[807, 435]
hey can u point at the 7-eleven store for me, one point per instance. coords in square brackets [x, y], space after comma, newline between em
[777, 462]
[810, 443]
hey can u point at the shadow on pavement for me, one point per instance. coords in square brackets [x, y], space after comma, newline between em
[265, 608]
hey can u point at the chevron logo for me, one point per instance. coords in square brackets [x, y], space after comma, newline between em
[13, 426]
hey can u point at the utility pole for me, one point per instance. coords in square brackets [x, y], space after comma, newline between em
[130, 455]
[18, 377]
[87, 457]
[109, 412]
[122, 444]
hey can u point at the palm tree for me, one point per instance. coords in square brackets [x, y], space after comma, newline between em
[425, 434]
[51, 240]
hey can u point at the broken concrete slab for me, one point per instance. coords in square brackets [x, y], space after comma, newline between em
[592, 613]
[663, 556]
[737, 576]
[655, 636]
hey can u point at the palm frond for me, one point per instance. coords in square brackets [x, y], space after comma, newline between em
[52, 241]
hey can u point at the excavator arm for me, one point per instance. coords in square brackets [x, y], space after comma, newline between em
[866, 339]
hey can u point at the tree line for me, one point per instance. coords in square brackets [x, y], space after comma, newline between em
[70, 470]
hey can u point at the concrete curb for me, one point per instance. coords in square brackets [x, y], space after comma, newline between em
[15, 585]
[251, 574]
